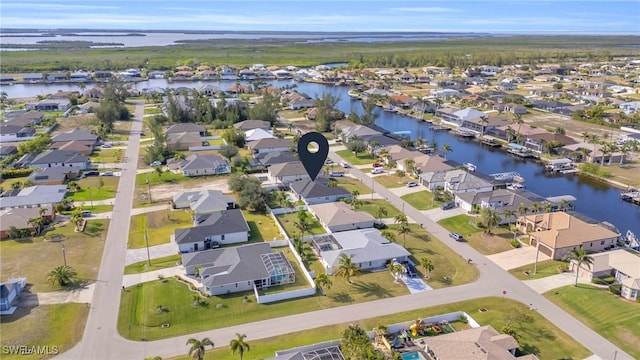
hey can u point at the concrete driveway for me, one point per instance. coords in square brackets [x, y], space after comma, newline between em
[438, 214]
[404, 190]
[512, 259]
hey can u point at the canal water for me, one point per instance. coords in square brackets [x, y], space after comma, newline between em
[595, 199]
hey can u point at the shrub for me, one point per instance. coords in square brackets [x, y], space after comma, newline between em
[515, 243]
[615, 288]
[400, 173]
[463, 319]
[606, 280]
[563, 268]
[16, 173]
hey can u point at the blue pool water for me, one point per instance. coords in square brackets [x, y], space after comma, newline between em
[414, 355]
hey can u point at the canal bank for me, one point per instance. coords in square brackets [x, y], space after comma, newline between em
[596, 199]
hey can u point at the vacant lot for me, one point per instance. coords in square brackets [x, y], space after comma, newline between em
[351, 184]
[156, 264]
[163, 191]
[34, 258]
[159, 226]
[627, 173]
[422, 200]
[537, 335]
[373, 206]
[461, 224]
[392, 180]
[487, 244]
[95, 188]
[58, 325]
[363, 158]
[614, 318]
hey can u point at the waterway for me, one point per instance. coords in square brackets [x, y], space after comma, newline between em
[595, 199]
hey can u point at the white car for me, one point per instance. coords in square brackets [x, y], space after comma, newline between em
[344, 164]
[377, 170]
[156, 163]
[412, 184]
[106, 146]
[107, 173]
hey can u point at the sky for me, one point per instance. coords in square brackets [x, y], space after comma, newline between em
[502, 16]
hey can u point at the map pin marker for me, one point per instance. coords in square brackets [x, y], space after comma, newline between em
[313, 161]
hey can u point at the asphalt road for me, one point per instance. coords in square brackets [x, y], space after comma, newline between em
[102, 341]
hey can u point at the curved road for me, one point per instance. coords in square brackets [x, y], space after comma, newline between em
[102, 341]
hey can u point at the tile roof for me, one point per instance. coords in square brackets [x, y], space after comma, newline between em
[564, 230]
[482, 343]
[339, 213]
[363, 245]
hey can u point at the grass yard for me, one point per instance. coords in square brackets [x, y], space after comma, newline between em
[155, 179]
[97, 209]
[628, 173]
[351, 184]
[34, 258]
[262, 227]
[422, 200]
[486, 244]
[156, 264]
[121, 129]
[6, 184]
[160, 226]
[101, 156]
[60, 326]
[362, 158]
[371, 206]
[538, 336]
[449, 268]
[392, 180]
[611, 316]
[460, 224]
[90, 188]
[288, 223]
[545, 268]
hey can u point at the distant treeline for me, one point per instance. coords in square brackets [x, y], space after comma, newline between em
[458, 52]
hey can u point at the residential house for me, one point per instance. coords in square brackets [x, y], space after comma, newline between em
[18, 219]
[9, 292]
[79, 146]
[298, 101]
[287, 173]
[505, 86]
[32, 77]
[515, 108]
[537, 142]
[487, 126]
[426, 163]
[61, 158]
[186, 128]
[213, 229]
[51, 176]
[444, 93]
[56, 76]
[94, 93]
[200, 165]
[623, 265]
[33, 196]
[239, 268]
[340, 216]
[12, 133]
[258, 134]
[252, 124]
[459, 182]
[275, 157]
[6, 150]
[630, 107]
[395, 153]
[24, 118]
[401, 163]
[403, 101]
[509, 131]
[53, 105]
[103, 74]
[368, 249]
[238, 89]
[76, 134]
[357, 131]
[203, 201]
[183, 140]
[227, 73]
[80, 75]
[480, 343]
[467, 114]
[557, 233]
[499, 200]
[270, 145]
[130, 74]
[317, 192]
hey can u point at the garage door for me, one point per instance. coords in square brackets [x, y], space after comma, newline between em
[543, 249]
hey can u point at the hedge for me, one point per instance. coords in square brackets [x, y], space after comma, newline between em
[615, 288]
[16, 173]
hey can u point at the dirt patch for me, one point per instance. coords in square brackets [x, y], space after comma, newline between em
[84, 121]
[572, 127]
[626, 336]
[165, 192]
[628, 173]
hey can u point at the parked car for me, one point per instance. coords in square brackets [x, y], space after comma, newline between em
[106, 146]
[85, 213]
[91, 173]
[377, 170]
[345, 164]
[412, 184]
[336, 173]
[377, 165]
[328, 162]
[455, 236]
[107, 173]
[156, 163]
[448, 205]
[410, 270]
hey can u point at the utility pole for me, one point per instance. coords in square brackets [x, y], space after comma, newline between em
[146, 240]
[149, 189]
[64, 256]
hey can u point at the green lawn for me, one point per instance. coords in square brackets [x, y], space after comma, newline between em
[263, 227]
[498, 241]
[460, 224]
[90, 188]
[106, 155]
[159, 225]
[545, 268]
[611, 316]
[392, 180]
[351, 158]
[156, 264]
[288, 223]
[96, 209]
[351, 184]
[553, 344]
[371, 206]
[155, 179]
[422, 200]
[60, 326]
[34, 258]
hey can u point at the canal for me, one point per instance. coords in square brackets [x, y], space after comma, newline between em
[595, 199]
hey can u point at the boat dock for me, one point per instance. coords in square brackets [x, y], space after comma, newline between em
[465, 133]
[631, 197]
[439, 128]
[490, 142]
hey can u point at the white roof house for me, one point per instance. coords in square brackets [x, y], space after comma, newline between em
[257, 134]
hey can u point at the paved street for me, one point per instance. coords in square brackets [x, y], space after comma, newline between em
[101, 340]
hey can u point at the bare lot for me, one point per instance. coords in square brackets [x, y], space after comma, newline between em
[165, 192]
[572, 127]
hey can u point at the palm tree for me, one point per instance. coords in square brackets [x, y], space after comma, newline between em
[536, 207]
[523, 209]
[388, 235]
[323, 283]
[197, 349]
[403, 229]
[395, 269]
[37, 223]
[483, 121]
[509, 214]
[593, 139]
[158, 170]
[581, 257]
[62, 275]
[446, 148]
[76, 217]
[427, 265]
[625, 149]
[238, 345]
[302, 223]
[381, 212]
[409, 166]
[346, 267]
[564, 205]
[490, 218]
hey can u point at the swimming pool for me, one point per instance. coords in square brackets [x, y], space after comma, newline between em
[414, 355]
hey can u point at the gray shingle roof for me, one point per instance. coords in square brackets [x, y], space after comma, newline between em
[59, 156]
[194, 162]
[252, 124]
[75, 134]
[276, 157]
[185, 127]
[216, 223]
[288, 169]
[35, 195]
[313, 189]
[270, 143]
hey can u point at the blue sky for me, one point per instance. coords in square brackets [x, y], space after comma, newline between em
[586, 16]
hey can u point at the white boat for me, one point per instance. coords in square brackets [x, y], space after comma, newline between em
[470, 166]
